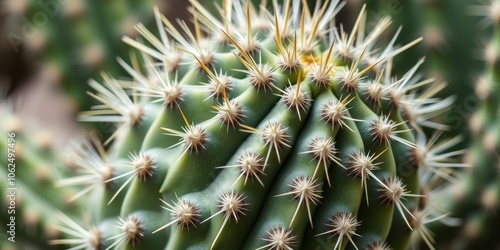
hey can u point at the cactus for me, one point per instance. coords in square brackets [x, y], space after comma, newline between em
[260, 129]
[474, 197]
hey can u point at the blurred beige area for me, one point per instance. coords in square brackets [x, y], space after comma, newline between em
[44, 111]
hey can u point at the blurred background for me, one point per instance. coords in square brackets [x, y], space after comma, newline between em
[49, 49]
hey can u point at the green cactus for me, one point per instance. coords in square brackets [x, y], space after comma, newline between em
[259, 129]
[474, 198]
[74, 39]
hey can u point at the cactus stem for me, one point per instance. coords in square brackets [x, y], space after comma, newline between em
[306, 190]
[279, 239]
[343, 225]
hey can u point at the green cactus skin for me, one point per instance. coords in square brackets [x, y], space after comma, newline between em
[257, 130]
